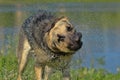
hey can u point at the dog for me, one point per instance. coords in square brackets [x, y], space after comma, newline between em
[53, 41]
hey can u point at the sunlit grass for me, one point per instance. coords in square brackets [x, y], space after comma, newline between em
[9, 67]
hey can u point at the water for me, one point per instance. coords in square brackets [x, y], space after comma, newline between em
[98, 22]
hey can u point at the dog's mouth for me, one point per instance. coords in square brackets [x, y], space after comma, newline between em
[75, 46]
[76, 42]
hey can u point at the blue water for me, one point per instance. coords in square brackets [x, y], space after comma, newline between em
[101, 44]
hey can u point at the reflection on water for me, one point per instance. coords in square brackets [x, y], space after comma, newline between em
[99, 24]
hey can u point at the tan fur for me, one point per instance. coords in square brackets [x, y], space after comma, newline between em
[39, 35]
[38, 72]
[59, 28]
[23, 59]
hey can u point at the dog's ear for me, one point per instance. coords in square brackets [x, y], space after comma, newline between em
[57, 19]
[47, 29]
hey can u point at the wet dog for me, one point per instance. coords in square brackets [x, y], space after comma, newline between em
[53, 40]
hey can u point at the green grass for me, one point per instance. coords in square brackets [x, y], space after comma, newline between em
[9, 67]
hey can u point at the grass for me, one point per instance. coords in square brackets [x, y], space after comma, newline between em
[9, 67]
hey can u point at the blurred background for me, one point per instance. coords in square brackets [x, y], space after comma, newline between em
[99, 22]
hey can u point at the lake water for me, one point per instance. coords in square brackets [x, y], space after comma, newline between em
[98, 22]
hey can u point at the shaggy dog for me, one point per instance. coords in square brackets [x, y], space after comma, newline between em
[53, 40]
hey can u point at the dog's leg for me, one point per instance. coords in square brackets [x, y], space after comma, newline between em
[23, 59]
[47, 72]
[66, 74]
[38, 71]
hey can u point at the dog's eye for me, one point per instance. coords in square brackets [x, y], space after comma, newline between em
[60, 37]
[69, 28]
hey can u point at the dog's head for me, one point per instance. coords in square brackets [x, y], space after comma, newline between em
[63, 37]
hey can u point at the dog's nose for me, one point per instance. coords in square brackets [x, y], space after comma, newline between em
[78, 36]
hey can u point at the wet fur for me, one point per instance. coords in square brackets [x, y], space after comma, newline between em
[35, 37]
